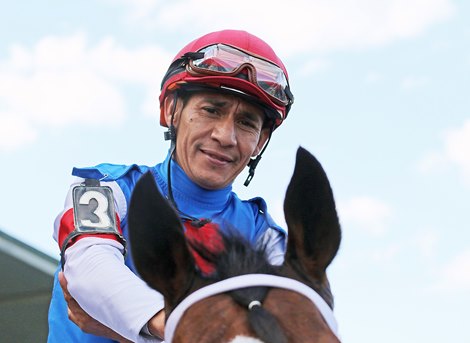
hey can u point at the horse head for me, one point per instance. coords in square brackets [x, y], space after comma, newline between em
[270, 304]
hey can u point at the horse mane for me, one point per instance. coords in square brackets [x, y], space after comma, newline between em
[239, 257]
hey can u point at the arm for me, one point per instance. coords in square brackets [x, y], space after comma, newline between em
[83, 319]
[108, 291]
[274, 243]
[99, 280]
[155, 326]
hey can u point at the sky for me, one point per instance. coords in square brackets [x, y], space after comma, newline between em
[381, 99]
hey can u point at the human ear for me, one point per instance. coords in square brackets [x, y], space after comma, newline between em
[263, 137]
[170, 107]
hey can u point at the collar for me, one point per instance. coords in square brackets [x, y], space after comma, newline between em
[186, 192]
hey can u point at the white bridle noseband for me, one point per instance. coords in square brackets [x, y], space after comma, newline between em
[244, 281]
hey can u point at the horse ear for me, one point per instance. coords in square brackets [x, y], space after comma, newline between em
[157, 242]
[309, 207]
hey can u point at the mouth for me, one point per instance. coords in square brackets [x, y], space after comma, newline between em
[216, 157]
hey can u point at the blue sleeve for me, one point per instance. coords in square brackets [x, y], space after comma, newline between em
[108, 172]
[264, 216]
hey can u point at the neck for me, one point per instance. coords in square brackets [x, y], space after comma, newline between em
[186, 192]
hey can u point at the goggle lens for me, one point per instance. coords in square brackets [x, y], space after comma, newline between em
[223, 59]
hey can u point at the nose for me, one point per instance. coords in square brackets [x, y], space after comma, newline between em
[225, 132]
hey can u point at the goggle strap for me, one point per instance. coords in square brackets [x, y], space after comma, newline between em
[176, 67]
[289, 94]
[193, 55]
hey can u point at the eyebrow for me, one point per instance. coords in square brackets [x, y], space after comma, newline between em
[215, 102]
[247, 113]
[222, 103]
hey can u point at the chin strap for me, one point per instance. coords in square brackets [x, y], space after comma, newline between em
[170, 135]
[254, 161]
[252, 166]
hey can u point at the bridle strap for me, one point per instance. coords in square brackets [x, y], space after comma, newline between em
[250, 280]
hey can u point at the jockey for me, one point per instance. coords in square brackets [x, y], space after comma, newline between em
[222, 97]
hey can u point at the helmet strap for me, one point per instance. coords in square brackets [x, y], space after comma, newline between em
[254, 161]
[171, 136]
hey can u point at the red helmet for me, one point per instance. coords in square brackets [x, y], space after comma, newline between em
[236, 61]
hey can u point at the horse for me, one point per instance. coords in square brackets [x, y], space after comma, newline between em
[246, 299]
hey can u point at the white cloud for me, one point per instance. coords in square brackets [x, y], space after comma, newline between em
[368, 213]
[14, 132]
[138, 9]
[432, 161]
[62, 97]
[410, 83]
[454, 152]
[422, 244]
[314, 66]
[455, 276]
[145, 65]
[457, 148]
[63, 80]
[301, 25]
[426, 243]
[373, 77]
[386, 254]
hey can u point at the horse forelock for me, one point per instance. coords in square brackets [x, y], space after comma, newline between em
[239, 257]
[226, 252]
[226, 255]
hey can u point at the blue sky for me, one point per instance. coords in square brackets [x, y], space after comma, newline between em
[381, 99]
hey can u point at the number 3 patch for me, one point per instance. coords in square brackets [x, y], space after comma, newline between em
[93, 208]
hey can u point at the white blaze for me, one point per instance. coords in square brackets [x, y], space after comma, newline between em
[245, 339]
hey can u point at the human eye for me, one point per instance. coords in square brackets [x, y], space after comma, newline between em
[249, 124]
[210, 110]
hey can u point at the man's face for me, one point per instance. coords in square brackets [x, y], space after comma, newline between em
[216, 136]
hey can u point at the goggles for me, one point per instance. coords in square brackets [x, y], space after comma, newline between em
[224, 60]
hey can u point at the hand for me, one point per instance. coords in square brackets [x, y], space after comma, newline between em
[156, 324]
[83, 320]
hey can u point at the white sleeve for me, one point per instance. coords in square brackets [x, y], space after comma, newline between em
[102, 284]
[108, 290]
[275, 244]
